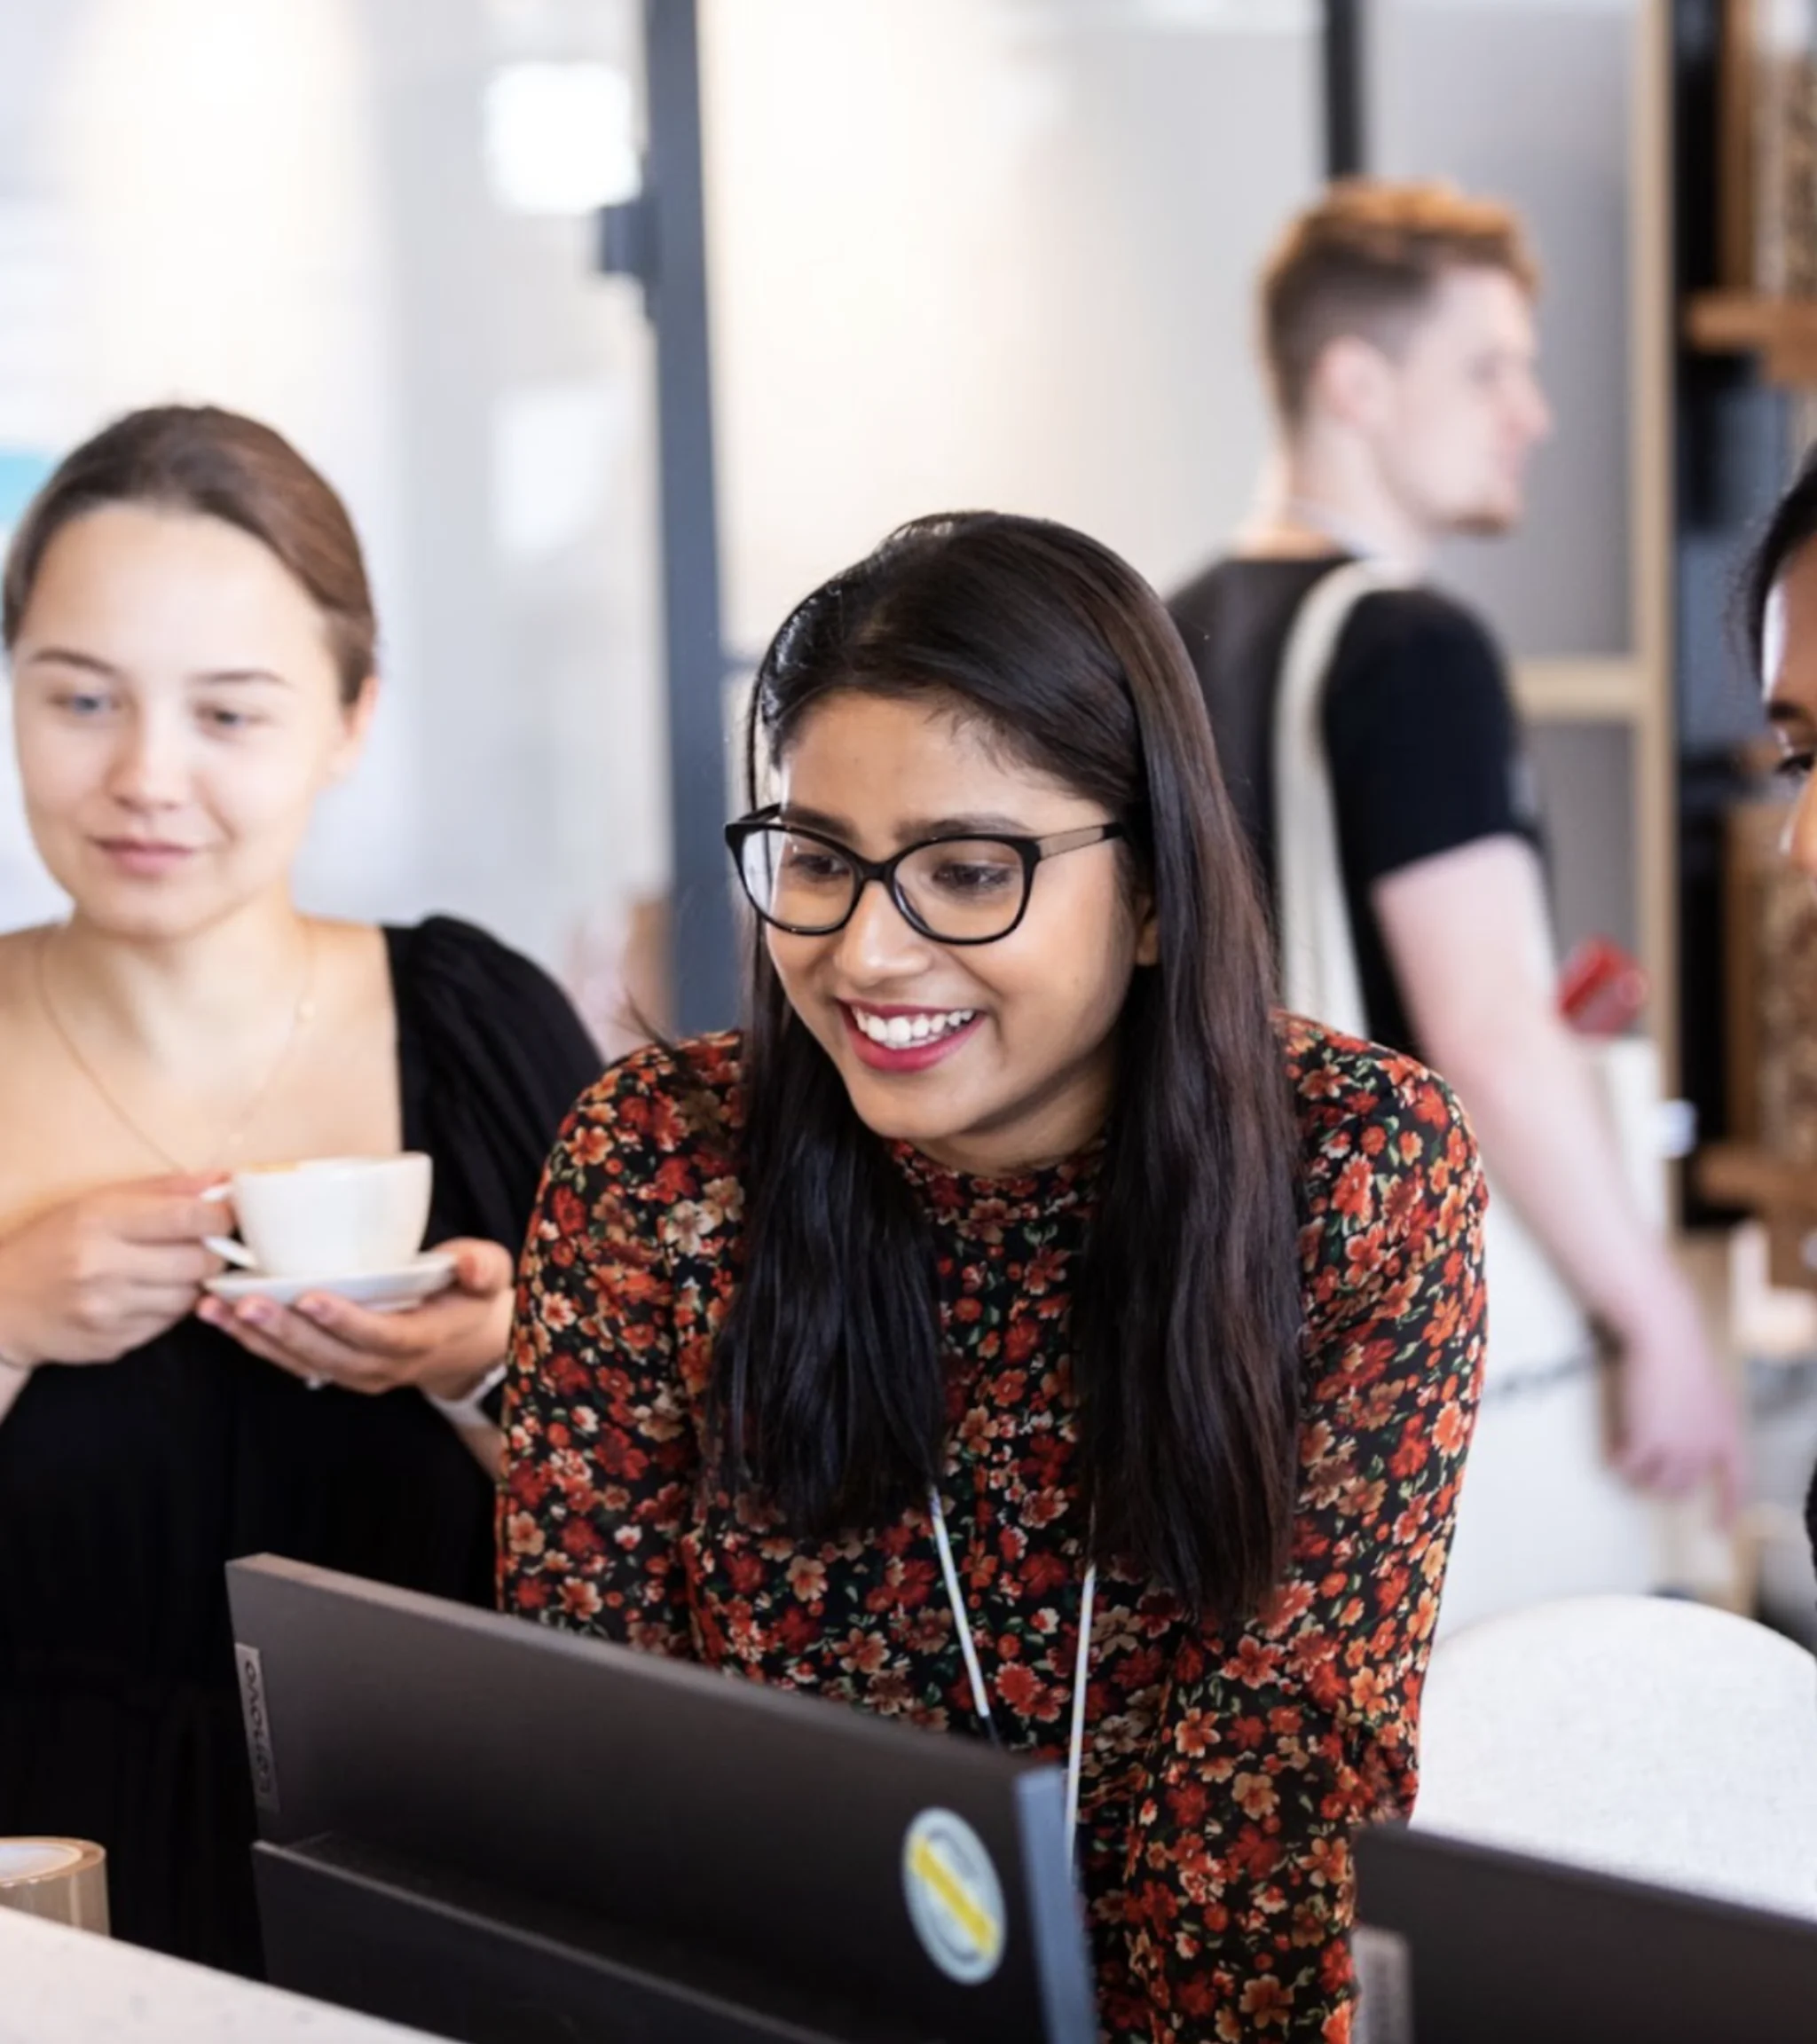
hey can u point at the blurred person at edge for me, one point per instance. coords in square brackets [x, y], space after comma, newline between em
[1780, 593]
[1014, 1265]
[1398, 331]
[192, 645]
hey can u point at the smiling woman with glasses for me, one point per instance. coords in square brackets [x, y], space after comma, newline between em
[1015, 1328]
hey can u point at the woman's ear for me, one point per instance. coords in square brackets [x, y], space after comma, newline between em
[356, 721]
[1147, 932]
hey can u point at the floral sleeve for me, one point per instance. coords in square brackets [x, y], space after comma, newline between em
[1278, 1738]
[602, 1450]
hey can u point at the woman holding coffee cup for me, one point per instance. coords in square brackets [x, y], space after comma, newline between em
[192, 642]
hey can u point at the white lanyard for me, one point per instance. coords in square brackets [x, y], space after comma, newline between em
[980, 1695]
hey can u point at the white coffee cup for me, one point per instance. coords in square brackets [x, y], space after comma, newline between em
[328, 1216]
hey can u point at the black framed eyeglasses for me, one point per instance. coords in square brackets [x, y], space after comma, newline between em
[957, 889]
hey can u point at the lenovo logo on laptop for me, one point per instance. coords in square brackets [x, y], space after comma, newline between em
[258, 1726]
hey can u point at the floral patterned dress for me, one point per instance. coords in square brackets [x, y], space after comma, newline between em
[1226, 1766]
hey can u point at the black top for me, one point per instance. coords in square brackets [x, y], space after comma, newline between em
[1425, 748]
[126, 1488]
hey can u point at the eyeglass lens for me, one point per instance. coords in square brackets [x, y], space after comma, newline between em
[962, 890]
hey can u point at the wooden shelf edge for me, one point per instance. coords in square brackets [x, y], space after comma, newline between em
[1738, 1174]
[1611, 690]
[1782, 331]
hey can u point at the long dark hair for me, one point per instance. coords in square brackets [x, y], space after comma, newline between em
[1187, 1315]
[1792, 525]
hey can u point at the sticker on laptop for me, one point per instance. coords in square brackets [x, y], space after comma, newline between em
[955, 1901]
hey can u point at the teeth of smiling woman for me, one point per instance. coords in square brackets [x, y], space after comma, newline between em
[898, 1032]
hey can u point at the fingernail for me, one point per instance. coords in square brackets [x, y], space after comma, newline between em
[256, 1313]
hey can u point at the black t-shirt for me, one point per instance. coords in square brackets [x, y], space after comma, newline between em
[1425, 748]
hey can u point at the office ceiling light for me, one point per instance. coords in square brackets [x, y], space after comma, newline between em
[561, 138]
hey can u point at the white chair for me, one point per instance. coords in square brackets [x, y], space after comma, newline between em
[1665, 1741]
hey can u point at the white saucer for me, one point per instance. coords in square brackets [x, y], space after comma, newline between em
[378, 1291]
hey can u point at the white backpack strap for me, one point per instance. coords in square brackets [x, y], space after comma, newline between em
[1318, 955]
[1538, 1326]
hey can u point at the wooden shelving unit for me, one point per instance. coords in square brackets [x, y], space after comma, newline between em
[1737, 196]
[1784, 1195]
[1737, 342]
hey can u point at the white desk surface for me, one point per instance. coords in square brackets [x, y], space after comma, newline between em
[59, 1986]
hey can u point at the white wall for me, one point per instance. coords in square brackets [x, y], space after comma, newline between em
[963, 252]
[283, 207]
[991, 253]
[526, 429]
[1527, 101]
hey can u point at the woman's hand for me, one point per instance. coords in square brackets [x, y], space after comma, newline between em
[443, 1347]
[101, 1275]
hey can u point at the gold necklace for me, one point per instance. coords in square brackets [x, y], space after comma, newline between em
[301, 1013]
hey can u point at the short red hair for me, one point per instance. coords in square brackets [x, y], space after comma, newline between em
[1365, 261]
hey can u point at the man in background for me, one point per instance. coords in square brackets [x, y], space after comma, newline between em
[1398, 333]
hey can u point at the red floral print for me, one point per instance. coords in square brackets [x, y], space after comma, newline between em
[1227, 1765]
